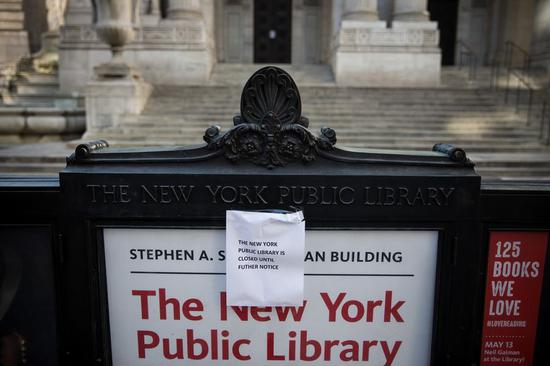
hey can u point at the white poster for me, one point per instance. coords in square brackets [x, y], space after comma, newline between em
[263, 250]
[368, 299]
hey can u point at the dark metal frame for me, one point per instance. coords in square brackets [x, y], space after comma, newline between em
[271, 133]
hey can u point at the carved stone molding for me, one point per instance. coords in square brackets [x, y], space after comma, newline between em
[270, 130]
[188, 35]
[387, 37]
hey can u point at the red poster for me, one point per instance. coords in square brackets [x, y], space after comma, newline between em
[515, 270]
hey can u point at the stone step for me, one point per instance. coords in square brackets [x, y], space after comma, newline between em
[343, 120]
[27, 168]
[159, 88]
[524, 173]
[31, 89]
[512, 165]
[512, 148]
[348, 114]
[11, 16]
[44, 101]
[363, 125]
[417, 145]
[305, 92]
[362, 131]
[337, 100]
[435, 124]
[334, 101]
[334, 111]
[35, 77]
[26, 159]
[330, 94]
[527, 172]
[12, 26]
[11, 6]
[370, 95]
[341, 126]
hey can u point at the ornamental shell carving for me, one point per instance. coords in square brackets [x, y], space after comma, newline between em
[270, 131]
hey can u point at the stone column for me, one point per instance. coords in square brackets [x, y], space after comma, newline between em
[184, 10]
[188, 23]
[360, 14]
[412, 14]
[150, 12]
[411, 10]
[541, 35]
[364, 10]
[14, 42]
[78, 13]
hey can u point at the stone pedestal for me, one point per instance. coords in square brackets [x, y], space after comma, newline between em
[47, 59]
[366, 53]
[387, 57]
[166, 51]
[14, 42]
[117, 88]
[108, 99]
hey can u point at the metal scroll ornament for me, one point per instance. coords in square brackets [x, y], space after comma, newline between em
[270, 130]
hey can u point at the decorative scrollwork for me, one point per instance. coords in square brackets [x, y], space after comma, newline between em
[270, 130]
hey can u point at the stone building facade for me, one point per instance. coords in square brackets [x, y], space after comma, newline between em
[366, 42]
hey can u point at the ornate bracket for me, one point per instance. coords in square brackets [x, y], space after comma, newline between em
[270, 130]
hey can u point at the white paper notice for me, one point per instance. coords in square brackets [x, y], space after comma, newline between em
[265, 258]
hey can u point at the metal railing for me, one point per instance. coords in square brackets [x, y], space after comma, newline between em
[521, 80]
[467, 56]
[544, 132]
[511, 50]
[517, 64]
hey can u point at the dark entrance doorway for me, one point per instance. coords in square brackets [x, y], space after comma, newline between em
[272, 31]
[445, 13]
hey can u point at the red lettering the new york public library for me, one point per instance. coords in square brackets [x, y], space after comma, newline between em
[291, 346]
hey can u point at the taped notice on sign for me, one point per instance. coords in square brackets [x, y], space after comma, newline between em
[265, 258]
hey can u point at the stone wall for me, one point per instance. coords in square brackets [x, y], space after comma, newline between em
[14, 42]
